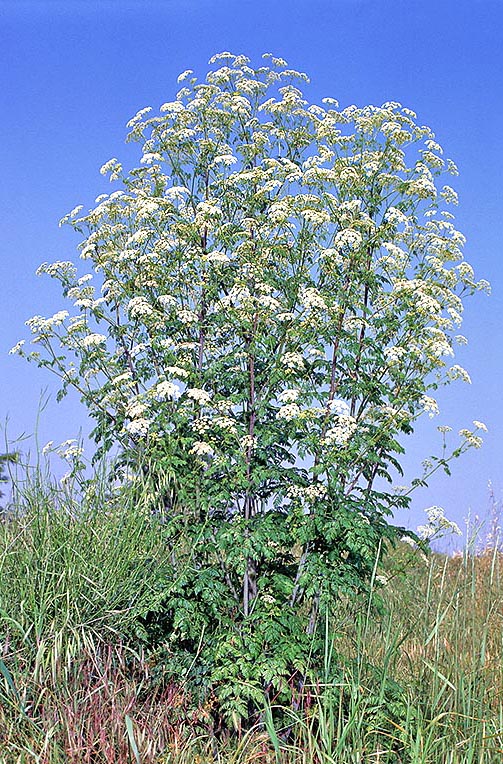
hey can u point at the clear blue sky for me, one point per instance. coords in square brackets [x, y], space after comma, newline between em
[72, 72]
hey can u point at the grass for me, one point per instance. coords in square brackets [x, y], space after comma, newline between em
[422, 683]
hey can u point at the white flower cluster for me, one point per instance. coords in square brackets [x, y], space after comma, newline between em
[200, 448]
[138, 427]
[84, 302]
[238, 295]
[125, 378]
[135, 409]
[149, 157]
[422, 186]
[94, 340]
[279, 212]
[133, 121]
[426, 305]
[341, 432]
[183, 76]
[59, 268]
[140, 347]
[284, 317]
[457, 372]
[225, 423]
[315, 353]
[201, 397]
[112, 167]
[248, 443]
[187, 316]
[475, 441]
[339, 407]
[40, 325]
[147, 207]
[315, 217]
[139, 307]
[289, 411]
[167, 301]
[226, 159]
[437, 525]
[207, 216]
[456, 317]
[73, 213]
[139, 237]
[18, 348]
[308, 494]
[293, 361]
[432, 160]
[289, 396]
[395, 217]
[430, 405]
[216, 257]
[166, 391]
[177, 371]
[70, 450]
[201, 425]
[432, 145]
[172, 107]
[397, 258]
[439, 346]
[449, 195]
[348, 238]
[394, 354]
[312, 299]
[176, 193]
[265, 301]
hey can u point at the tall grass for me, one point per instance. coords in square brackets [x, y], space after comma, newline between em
[86, 562]
[419, 681]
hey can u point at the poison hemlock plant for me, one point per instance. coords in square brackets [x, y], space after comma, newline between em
[278, 291]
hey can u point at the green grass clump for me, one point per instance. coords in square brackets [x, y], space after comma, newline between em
[419, 681]
[71, 560]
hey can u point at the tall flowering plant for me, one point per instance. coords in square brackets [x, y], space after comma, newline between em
[272, 295]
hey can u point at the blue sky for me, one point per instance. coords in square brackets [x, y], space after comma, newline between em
[73, 72]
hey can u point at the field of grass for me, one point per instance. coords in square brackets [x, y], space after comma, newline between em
[416, 680]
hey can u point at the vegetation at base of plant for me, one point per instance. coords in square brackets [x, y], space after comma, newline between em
[418, 681]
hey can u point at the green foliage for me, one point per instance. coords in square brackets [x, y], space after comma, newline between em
[280, 289]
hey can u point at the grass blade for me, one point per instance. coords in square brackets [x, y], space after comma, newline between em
[132, 741]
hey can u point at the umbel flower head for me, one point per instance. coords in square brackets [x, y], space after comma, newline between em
[438, 525]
